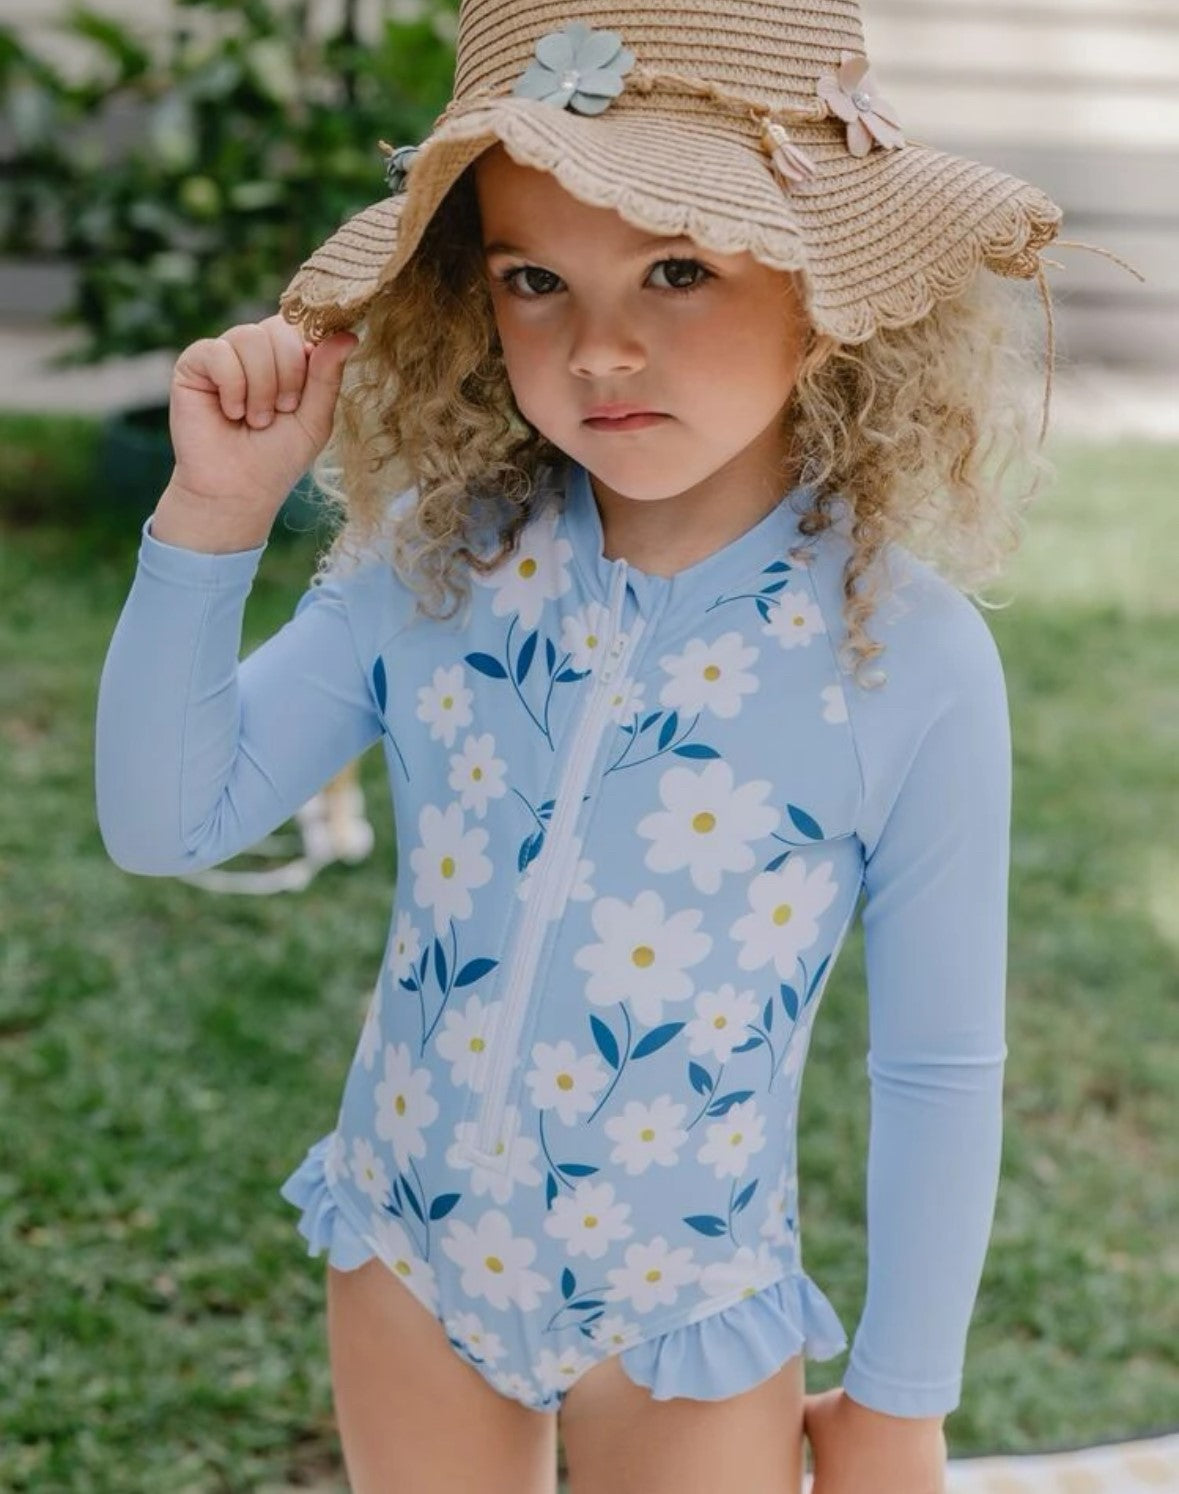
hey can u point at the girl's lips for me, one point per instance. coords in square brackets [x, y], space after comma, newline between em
[627, 423]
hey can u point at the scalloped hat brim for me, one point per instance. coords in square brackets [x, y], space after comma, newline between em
[877, 240]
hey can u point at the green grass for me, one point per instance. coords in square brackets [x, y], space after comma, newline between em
[166, 1055]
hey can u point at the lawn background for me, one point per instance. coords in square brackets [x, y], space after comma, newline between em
[168, 1054]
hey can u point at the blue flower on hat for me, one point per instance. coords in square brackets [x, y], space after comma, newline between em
[577, 68]
[398, 166]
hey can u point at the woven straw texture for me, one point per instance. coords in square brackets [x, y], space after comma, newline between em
[876, 239]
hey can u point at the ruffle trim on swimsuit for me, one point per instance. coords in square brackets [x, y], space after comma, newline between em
[322, 1224]
[741, 1345]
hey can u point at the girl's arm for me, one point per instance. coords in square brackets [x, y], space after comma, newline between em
[198, 757]
[937, 833]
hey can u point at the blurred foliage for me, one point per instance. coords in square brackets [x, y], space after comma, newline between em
[253, 136]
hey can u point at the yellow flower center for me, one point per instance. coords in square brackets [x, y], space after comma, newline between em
[499, 1148]
[564, 1081]
[448, 702]
[399, 1104]
[590, 1221]
[591, 640]
[712, 672]
[647, 1134]
[749, 1291]
[477, 774]
[527, 568]
[720, 1021]
[448, 866]
[736, 1139]
[704, 822]
[403, 1268]
[476, 1045]
[654, 1275]
[783, 914]
[797, 620]
[643, 956]
[493, 1263]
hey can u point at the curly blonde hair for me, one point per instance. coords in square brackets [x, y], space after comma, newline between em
[919, 429]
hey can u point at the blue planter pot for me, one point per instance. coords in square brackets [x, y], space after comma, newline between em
[135, 462]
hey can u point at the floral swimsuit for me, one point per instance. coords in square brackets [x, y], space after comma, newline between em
[635, 815]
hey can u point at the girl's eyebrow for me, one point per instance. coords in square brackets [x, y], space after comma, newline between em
[500, 247]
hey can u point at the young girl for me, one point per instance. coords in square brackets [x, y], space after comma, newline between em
[671, 353]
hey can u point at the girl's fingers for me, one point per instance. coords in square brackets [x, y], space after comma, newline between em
[253, 345]
[290, 361]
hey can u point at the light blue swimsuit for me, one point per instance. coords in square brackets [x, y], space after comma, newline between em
[634, 818]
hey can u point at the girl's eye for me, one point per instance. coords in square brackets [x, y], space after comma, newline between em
[513, 278]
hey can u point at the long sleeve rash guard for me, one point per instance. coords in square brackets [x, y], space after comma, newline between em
[636, 815]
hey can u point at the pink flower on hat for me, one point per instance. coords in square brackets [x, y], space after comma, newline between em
[851, 94]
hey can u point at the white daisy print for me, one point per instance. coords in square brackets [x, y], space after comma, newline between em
[733, 1140]
[522, 1153]
[370, 1034]
[589, 1221]
[647, 1134]
[707, 824]
[721, 1021]
[710, 676]
[335, 1158]
[515, 1385]
[368, 1171]
[834, 704]
[746, 1273]
[405, 948]
[652, 1276]
[537, 572]
[557, 1370]
[614, 1332]
[582, 633]
[627, 701]
[642, 955]
[477, 775]
[465, 1039]
[780, 1210]
[446, 704]
[479, 1342]
[795, 620]
[405, 1106]
[448, 864]
[396, 1249]
[495, 1262]
[563, 1080]
[786, 907]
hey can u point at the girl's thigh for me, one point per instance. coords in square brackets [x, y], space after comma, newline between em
[413, 1416]
[619, 1440]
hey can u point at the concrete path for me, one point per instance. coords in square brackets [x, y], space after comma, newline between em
[1102, 403]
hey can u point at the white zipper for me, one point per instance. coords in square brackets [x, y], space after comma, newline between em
[549, 877]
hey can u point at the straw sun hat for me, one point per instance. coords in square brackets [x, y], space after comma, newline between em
[746, 124]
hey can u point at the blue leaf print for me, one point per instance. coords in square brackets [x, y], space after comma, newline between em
[550, 1190]
[707, 1224]
[443, 1204]
[764, 608]
[578, 1169]
[474, 970]
[589, 1304]
[547, 808]
[700, 1078]
[818, 976]
[530, 850]
[412, 1197]
[768, 591]
[568, 1283]
[425, 962]
[395, 1206]
[669, 729]
[440, 964]
[651, 720]
[606, 1041]
[804, 822]
[776, 567]
[487, 665]
[790, 1002]
[571, 676]
[777, 861]
[695, 749]
[380, 684]
[550, 654]
[408, 985]
[748, 1045]
[526, 656]
[656, 1039]
[591, 1318]
[743, 1197]
[767, 1017]
[726, 1102]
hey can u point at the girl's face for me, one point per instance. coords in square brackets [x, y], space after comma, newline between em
[591, 311]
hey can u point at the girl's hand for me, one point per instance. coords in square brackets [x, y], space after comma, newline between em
[855, 1450]
[250, 411]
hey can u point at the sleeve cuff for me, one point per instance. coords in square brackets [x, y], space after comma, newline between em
[197, 568]
[897, 1398]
